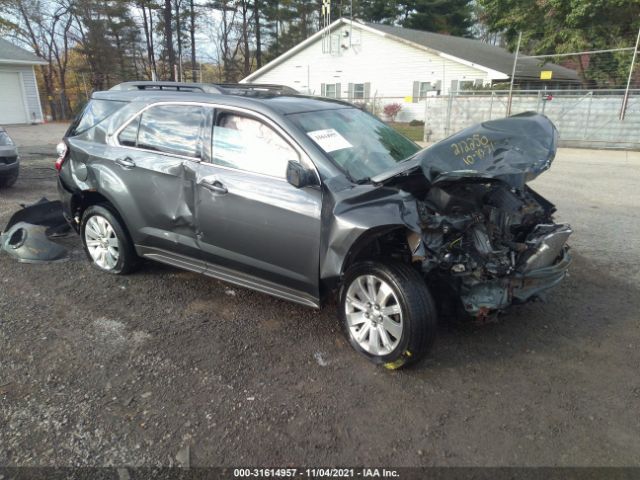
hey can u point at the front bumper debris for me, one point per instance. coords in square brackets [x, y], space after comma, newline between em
[29, 243]
[483, 298]
[26, 237]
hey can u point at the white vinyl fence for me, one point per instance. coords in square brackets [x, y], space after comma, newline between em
[588, 119]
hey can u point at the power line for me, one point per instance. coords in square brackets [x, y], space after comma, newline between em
[587, 52]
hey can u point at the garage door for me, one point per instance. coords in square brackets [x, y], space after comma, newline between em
[11, 100]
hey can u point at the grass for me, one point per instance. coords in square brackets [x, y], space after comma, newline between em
[414, 133]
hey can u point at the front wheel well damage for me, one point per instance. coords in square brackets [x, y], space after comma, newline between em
[382, 242]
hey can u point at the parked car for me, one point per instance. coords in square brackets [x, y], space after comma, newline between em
[9, 160]
[300, 197]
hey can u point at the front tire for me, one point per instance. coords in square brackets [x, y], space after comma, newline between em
[106, 242]
[387, 313]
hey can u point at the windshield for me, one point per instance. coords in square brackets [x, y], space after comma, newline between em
[359, 143]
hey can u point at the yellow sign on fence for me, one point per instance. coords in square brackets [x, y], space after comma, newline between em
[546, 75]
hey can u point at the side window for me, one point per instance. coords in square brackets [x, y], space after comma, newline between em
[174, 129]
[129, 134]
[95, 112]
[248, 144]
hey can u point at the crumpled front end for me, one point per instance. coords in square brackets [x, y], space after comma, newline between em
[485, 295]
[485, 233]
[493, 244]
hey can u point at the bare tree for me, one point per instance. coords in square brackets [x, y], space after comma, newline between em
[45, 31]
[256, 19]
[147, 25]
[168, 38]
[192, 33]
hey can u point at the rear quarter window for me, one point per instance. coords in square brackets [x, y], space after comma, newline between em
[95, 112]
[175, 129]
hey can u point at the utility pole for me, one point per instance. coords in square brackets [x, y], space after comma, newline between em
[513, 75]
[625, 100]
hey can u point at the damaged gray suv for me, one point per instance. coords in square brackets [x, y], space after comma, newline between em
[299, 197]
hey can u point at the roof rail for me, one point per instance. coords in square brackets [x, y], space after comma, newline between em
[246, 88]
[146, 85]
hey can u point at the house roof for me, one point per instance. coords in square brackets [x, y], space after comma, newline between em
[478, 52]
[10, 53]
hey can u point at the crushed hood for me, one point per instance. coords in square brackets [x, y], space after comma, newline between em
[514, 149]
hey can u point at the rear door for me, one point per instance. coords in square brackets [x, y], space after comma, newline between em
[249, 217]
[155, 156]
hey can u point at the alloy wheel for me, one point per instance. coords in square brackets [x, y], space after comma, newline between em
[374, 315]
[102, 242]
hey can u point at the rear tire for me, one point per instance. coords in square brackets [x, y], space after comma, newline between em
[387, 313]
[106, 242]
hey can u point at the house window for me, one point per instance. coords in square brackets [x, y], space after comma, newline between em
[424, 88]
[466, 85]
[358, 91]
[330, 90]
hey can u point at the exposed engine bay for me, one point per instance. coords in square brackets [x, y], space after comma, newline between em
[484, 232]
[478, 233]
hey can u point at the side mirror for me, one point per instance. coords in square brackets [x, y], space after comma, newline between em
[298, 176]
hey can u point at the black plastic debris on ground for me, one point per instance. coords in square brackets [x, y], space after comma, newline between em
[26, 237]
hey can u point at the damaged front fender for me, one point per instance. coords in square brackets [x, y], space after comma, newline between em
[352, 215]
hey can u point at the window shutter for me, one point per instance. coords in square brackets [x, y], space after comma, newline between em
[454, 86]
[338, 92]
[367, 91]
[416, 91]
[438, 87]
[350, 93]
[323, 90]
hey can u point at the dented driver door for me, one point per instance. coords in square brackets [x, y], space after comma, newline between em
[249, 218]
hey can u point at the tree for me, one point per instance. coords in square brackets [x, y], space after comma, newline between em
[168, 38]
[192, 36]
[44, 28]
[289, 22]
[258, 26]
[565, 26]
[147, 9]
[453, 17]
[392, 110]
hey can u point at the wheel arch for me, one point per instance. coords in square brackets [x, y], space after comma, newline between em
[87, 198]
[363, 246]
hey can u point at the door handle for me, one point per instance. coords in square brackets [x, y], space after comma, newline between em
[125, 162]
[214, 186]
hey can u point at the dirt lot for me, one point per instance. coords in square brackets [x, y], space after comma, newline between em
[99, 370]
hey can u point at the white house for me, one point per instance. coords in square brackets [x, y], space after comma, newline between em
[360, 62]
[19, 98]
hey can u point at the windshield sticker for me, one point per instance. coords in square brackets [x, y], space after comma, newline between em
[329, 140]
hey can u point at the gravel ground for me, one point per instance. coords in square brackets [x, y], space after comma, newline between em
[166, 367]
